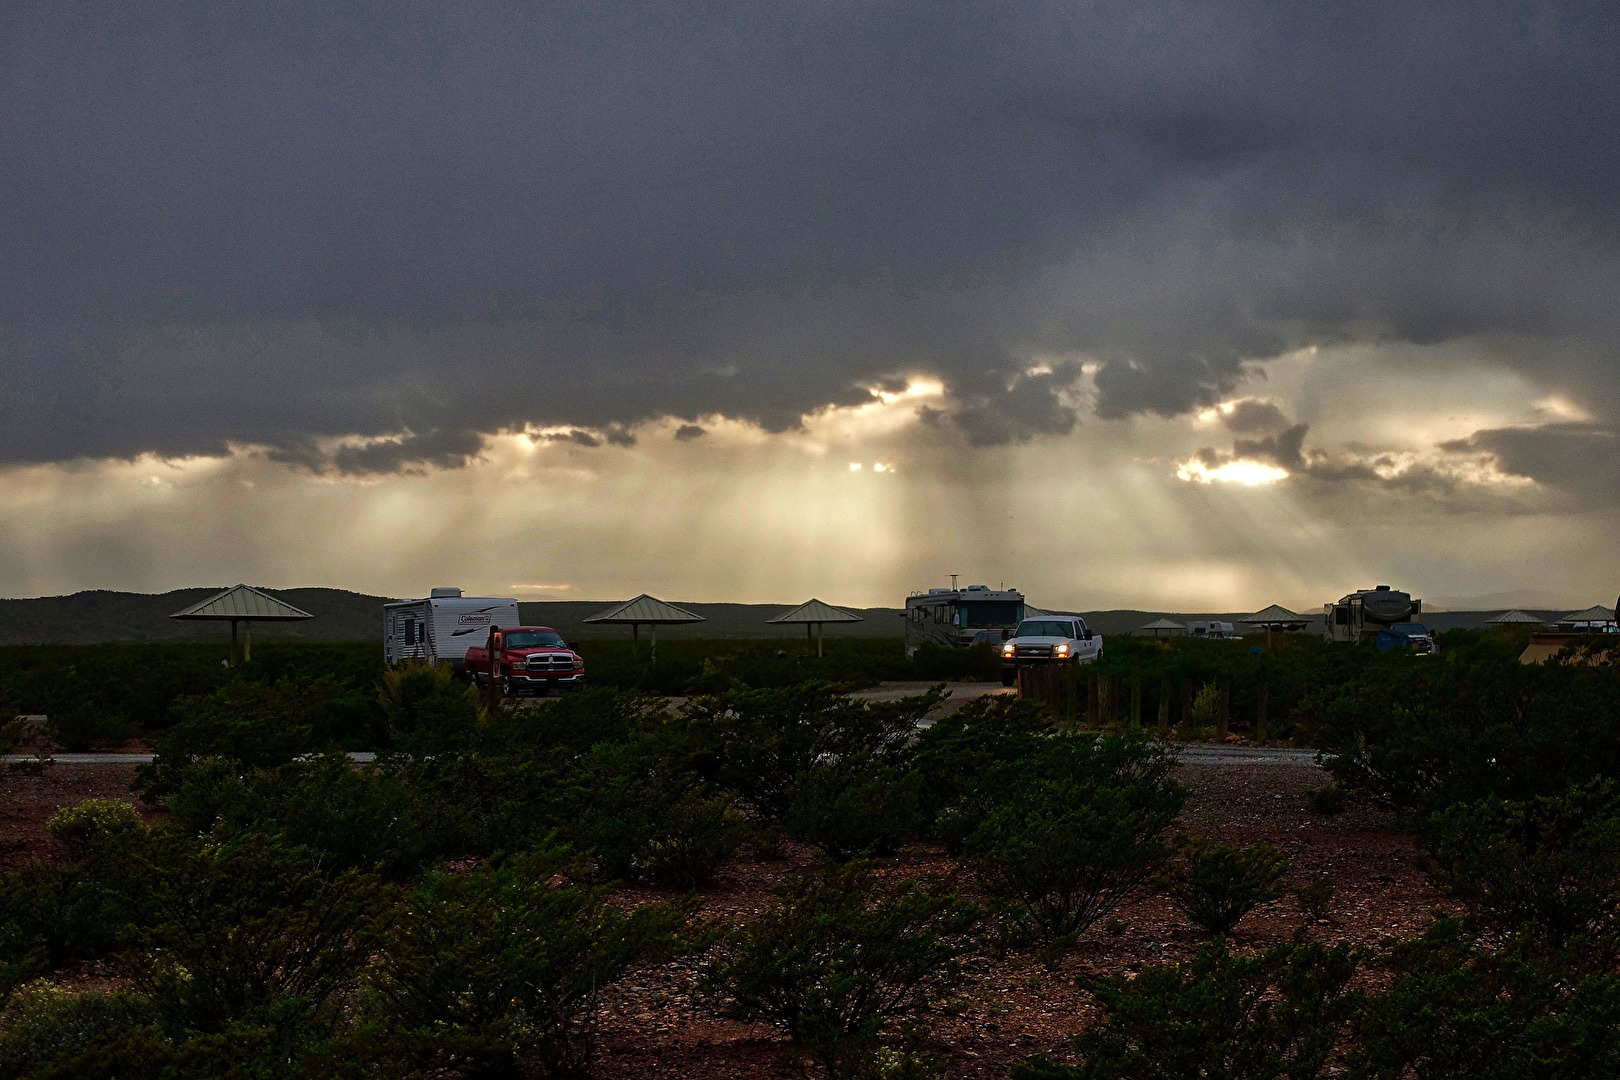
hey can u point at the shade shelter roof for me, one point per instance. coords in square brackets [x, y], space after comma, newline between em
[814, 611]
[1275, 615]
[1592, 614]
[645, 610]
[242, 603]
[1515, 618]
[1161, 624]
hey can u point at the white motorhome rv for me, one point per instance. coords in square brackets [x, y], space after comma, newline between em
[960, 617]
[1211, 629]
[441, 628]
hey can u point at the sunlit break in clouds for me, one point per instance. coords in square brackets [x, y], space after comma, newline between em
[1249, 473]
[1124, 304]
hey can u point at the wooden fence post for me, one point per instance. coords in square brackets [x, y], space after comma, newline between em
[1260, 711]
[1092, 702]
[1223, 720]
[1136, 701]
[1164, 709]
[1186, 704]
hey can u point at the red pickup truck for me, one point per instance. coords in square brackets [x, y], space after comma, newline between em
[528, 658]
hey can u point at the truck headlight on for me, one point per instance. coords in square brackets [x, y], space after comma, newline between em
[1062, 650]
[1008, 649]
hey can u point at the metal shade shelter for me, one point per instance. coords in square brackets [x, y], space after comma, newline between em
[245, 605]
[813, 613]
[1275, 617]
[1162, 628]
[647, 611]
[1594, 619]
[1515, 618]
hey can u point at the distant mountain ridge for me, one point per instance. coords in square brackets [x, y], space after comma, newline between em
[100, 615]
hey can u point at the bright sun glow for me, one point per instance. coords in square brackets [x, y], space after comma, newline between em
[1247, 473]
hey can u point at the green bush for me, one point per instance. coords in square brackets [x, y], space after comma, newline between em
[1548, 866]
[1456, 1012]
[646, 819]
[1315, 898]
[856, 806]
[249, 932]
[1216, 885]
[351, 818]
[1328, 799]
[1073, 831]
[483, 972]
[85, 725]
[843, 958]
[1222, 1016]
[45, 1026]
[94, 824]
[763, 744]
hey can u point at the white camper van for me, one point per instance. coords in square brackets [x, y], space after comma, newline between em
[441, 628]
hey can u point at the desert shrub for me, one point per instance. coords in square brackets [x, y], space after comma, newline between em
[962, 758]
[45, 1026]
[1315, 898]
[1328, 799]
[1475, 723]
[1548, 866]
[483, 972]
[426, 708]
[86, 907]
[248, 932]
[1215, 885]
[644, 818]
[93, 824]
[349, 817]
[1219, 1017]
[1073, 831]
[256, 724]
[763, 743]
[843, 958]
[856, 806]
[1455, 1012]
[84, 725]
[1206, 708]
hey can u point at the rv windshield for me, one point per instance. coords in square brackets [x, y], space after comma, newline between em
[982, 613]
[532, 639]
[1044, 628]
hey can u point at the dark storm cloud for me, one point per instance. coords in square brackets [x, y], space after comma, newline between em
[1581, 459]
[689, 432]
[256, 224]
[1252, 415]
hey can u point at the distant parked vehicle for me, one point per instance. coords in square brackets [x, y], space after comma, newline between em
[956, 618]
[527, 658]
[1048, 639]
[438, 629]
[1413, 636]
[1211, 629]
[1361, 615]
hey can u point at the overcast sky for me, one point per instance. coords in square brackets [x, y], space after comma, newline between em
[1161, 305]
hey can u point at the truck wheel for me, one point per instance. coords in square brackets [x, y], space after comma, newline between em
[1009, 676]
[509, 686]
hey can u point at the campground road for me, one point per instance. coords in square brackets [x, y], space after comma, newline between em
[1186, 753]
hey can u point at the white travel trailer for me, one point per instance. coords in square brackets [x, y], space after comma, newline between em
[1211, 628]
[441, 628]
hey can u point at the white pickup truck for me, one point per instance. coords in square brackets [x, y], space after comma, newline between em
[1048, 639]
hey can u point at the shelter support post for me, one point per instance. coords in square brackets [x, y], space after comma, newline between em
[247, 641]
[635, 638]
[809, 644]
[653, 630]
[233, 643]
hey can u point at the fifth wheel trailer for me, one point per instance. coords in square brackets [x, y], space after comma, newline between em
[1362, 614]
[441, 628]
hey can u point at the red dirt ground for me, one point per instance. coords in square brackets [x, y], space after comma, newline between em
[654, 1025]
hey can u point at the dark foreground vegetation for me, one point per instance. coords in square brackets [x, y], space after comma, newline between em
[457, 908]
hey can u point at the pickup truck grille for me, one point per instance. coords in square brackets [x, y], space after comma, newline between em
[1033, 651]
[550, 662]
